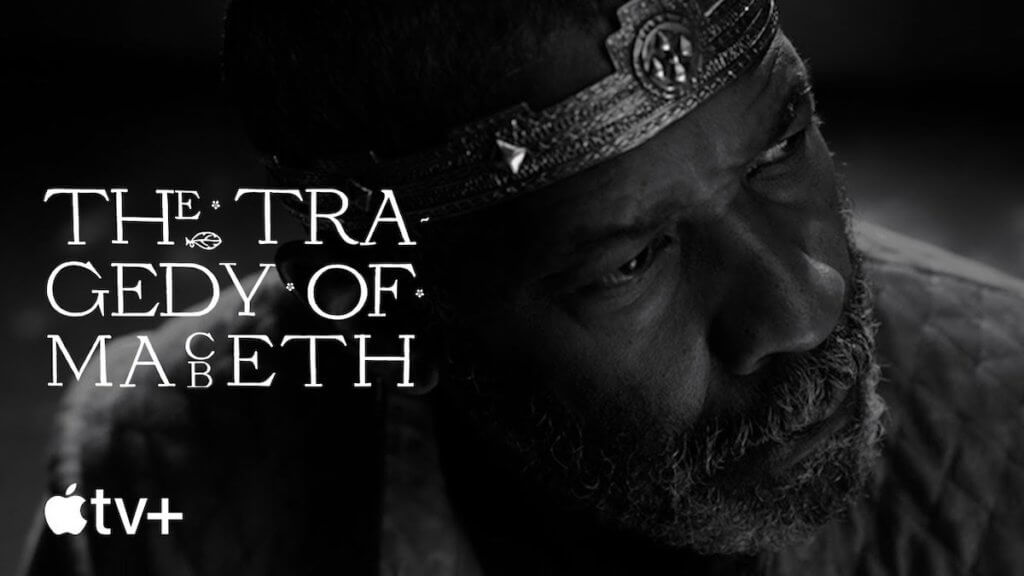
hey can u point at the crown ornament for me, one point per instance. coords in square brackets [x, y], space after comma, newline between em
[669, 56]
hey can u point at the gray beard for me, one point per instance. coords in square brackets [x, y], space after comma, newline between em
[706, 488]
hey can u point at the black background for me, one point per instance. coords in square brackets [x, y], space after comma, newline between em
[921, 98]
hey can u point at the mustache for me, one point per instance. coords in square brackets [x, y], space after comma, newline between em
[801, 391]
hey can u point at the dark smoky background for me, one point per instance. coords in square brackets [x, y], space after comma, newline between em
[921, 99]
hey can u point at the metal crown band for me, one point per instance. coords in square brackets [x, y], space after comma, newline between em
[669, 56]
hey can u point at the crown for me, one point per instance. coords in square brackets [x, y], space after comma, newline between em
[669, 57]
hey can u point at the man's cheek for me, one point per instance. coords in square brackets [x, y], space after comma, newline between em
[669, 378]
[658, 378]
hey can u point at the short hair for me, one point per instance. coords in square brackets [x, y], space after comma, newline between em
[316, 79]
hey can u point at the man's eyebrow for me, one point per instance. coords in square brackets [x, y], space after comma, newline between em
[800, 94]
[653, 218]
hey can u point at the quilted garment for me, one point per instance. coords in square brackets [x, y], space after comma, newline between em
[255, 473]
[948, 497]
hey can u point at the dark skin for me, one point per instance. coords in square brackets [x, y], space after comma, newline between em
[649, 290]
[669, 275]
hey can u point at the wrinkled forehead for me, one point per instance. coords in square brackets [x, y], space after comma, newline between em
[691, 160]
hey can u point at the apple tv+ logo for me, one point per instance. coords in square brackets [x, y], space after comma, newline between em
[63, 514]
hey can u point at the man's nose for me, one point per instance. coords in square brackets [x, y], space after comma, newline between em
[777, 298]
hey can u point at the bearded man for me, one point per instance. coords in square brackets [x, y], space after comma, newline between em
[661, 344]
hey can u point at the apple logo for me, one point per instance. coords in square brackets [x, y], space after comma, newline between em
[64, 513]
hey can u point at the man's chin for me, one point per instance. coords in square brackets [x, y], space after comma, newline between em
[728, 488]
[780, 497]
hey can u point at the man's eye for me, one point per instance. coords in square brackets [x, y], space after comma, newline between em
[636, 266]
[779, 152]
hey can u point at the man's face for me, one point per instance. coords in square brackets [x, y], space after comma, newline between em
[678, 339]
